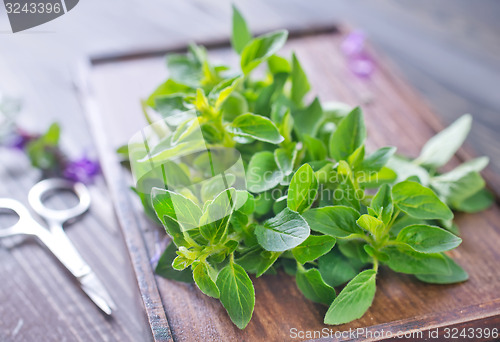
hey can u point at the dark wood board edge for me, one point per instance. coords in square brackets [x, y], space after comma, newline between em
[124, 210]
[224, 42]
[158, 321]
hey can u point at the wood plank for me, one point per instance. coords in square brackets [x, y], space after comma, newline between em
[395, 116]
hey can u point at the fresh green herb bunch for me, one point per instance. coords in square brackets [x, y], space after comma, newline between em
[317, 205]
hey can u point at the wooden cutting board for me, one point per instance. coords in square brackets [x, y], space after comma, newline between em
[111, 87]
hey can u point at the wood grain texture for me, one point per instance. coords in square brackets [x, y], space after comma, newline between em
[395, 116]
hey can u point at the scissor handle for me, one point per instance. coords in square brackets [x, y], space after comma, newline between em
[42, 189]
[20, 210]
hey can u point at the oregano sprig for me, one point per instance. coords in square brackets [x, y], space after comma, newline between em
[312, 200]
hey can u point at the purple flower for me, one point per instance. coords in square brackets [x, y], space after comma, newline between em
[81, 170]
[353, 44]
[21, 139]
[362, 65]
[359, 60]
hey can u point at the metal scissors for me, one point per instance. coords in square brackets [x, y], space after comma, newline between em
[54, 238]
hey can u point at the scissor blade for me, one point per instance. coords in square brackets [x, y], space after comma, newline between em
[97, 293]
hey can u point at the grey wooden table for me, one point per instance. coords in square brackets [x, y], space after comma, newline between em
[449, 50]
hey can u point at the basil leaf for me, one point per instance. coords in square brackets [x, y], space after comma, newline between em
[241, 34]
[177, 207]
[284, 231]
[457, 275]
[372, 225]
[303, 189]
[237, 294]
[307, 120]
[258, 261]
[410, 262]
[261, 48]
[215, 218]
[382, 203]
[337, 221]
[165, 269]
[377, 159]
[202, 278]
[354, 300]
[313, 287]
[428, 239]
[336, 269]
[419, 201]
[257, 127]
[440, 148]
[300, 84]
[313, 247]
[349, 135]
[262, 172]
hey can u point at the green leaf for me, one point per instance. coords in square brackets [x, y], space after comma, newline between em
[284, 159]
[258, 261]
[177, 207]
[278, 65]
[410, 262]
[313, 287]
[313, 247]
[235, 105]
[241, 34]
[261, 48]
[419, 201]
[303, 189]
[336, 269]
[268, 96]
[378, 159]
[169, 87]
[165, 269]
[382, 203]
[428, 239]
[202, 277]
[215, 218]
[316, 149]
[337, 221]
[349, 135]
[262, 172]
[372, 225]
[284, 231]
[300, 84]
[186, 70]
[354, 300]
[457, 275]
[480, 201]
[256, 127]
[406, 169]
[440, 148]
[237, 294]
[307, 120]
[457, 189]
